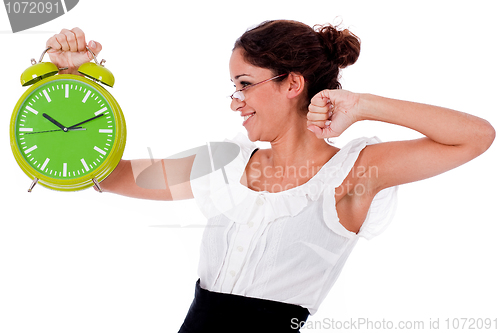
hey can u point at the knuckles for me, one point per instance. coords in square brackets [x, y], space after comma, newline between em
[66, 39]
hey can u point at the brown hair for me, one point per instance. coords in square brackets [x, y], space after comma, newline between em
[316, 53]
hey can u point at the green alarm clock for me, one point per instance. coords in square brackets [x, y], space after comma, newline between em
[67, 132]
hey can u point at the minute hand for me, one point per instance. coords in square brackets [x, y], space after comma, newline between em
[86, 121]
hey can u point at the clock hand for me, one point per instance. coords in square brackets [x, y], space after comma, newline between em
[83, 122]
[52, 120]
[57, 130]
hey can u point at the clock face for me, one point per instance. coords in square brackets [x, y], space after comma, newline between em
[65, 129]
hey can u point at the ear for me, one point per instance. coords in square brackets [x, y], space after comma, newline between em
[296, 84]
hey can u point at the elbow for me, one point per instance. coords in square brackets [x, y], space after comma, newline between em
[484, 138]
[488, 136]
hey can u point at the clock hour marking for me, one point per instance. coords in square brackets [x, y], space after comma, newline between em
[104, 131]
[65, 169]
[66, 94]
[86, 96]
[25, 129]
[47, 96]
[100, 111]
[99, 150]
[45, 164]
[29, 150]
[31, 109]
[85, 165]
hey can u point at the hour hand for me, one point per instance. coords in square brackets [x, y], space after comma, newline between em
[55, 122]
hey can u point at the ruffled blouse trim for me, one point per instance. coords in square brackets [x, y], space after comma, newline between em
[240, 204]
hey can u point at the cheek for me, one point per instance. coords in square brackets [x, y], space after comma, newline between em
[270, 102]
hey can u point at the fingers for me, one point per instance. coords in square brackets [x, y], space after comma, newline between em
[331, 112]
[79, 40]
[320, 115]
[320, 111]
[68, 40]
[53, 44]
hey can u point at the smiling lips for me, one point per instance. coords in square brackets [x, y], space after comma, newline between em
[246, 117]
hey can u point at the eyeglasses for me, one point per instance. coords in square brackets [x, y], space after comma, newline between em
[238, 94]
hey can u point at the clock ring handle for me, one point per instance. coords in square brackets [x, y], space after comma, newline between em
[95, 58]
[33, 61]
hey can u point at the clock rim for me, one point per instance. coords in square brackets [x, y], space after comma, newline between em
[101, 172]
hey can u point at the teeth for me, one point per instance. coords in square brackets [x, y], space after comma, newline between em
[248, 116]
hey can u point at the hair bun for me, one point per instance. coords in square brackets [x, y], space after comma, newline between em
[341, 46]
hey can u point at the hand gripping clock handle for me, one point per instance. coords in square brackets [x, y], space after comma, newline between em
[33, 61]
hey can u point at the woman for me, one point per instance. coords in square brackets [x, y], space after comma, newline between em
[282, 221]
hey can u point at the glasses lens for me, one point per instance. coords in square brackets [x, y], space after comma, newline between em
[239, 95]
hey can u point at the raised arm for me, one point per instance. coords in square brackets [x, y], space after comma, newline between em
[451, 138]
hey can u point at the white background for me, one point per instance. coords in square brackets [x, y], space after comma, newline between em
[89, 262]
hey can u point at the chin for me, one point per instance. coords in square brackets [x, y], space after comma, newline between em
[259, 137]
[252, 137]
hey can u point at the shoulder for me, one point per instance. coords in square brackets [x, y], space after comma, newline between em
[357, 191]
[361, 170]
[253, 170]
[359, 182]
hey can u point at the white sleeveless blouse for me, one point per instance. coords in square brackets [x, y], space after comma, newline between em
[287, 246]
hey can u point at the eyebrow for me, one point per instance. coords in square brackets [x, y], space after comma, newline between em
[238, 76]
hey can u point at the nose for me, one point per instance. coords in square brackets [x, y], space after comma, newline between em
[236, 104]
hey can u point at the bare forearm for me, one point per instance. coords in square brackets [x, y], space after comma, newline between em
[441, 125]
[162, 180]
[122, 181]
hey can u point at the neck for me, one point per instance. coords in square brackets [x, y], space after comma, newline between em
[296, 145]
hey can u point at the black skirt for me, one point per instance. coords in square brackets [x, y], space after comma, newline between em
[218, 312]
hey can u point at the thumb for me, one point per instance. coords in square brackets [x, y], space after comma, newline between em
[316, 130]
[94, 47]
